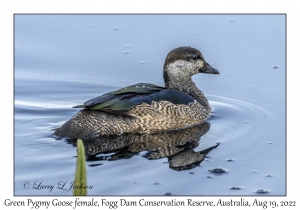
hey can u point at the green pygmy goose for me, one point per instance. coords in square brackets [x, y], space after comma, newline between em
[147, 108]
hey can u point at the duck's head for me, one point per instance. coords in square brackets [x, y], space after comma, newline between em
[186, 61]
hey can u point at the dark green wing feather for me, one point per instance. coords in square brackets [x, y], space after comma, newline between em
[122, 100]
[138, 88]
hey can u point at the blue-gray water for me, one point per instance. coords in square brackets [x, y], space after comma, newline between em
[64, 60]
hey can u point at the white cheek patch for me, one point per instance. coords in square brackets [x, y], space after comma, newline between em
[178, 63]
[185, 67]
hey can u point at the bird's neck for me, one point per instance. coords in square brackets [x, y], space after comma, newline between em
[184, 83]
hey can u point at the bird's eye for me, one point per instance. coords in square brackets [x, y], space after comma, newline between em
[195, 57]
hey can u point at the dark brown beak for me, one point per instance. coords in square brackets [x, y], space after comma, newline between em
[208, 70]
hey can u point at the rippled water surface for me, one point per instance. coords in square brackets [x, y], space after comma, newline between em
[64, 60]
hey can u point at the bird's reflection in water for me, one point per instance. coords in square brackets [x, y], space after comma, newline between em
[177, 145]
